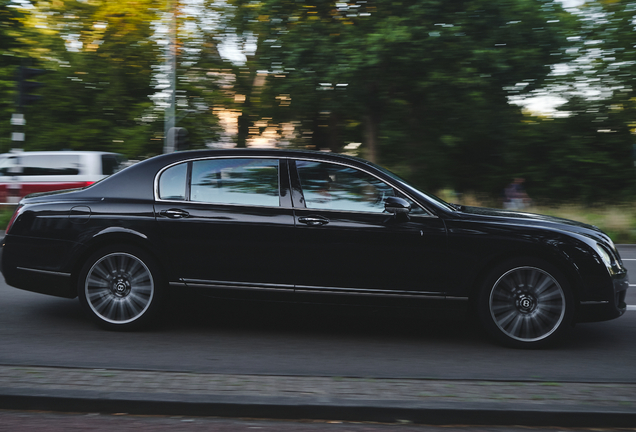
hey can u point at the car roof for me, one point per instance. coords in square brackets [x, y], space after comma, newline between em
[48, 153]
[281, 153]
[132, 183]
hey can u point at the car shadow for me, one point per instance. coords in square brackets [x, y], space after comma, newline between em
[194, 312]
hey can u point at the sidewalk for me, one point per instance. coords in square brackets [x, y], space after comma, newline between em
[295, 397]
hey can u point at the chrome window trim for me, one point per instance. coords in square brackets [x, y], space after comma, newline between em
[220, 204]
[428, 214]
[457, 298]
[54, 273]
[372, 294]
[161, 171]
[309, 289]
[368, 291]
[238, 285]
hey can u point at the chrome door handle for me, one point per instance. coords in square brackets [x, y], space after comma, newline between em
[313, 220]
[174, 213]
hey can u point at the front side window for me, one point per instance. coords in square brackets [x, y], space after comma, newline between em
[337, 187]
[235, 181]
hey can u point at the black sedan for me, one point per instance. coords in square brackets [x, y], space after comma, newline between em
[307, 227]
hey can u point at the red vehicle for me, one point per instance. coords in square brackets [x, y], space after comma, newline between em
[23, 173]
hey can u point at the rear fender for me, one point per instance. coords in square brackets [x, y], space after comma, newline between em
[115, 235]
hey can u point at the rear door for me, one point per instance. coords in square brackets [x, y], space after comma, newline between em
[227, 222]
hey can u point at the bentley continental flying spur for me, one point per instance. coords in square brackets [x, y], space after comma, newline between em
[301, 226]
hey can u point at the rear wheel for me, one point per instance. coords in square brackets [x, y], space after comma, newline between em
[526, 303]
[120, 287]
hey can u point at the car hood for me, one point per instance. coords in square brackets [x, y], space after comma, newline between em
[531, 219]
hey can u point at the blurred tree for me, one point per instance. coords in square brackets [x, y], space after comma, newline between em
[98, 97]
[606, 66]
[10, 30]
[577, 158]
[106, 61]
[203, 77]
[586, 152]
[608, 46]
[15, 47]
[423, 84]
[100, 55]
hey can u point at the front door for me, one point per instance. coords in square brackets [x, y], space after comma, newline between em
[347, 243]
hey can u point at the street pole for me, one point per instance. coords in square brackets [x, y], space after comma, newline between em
[24, 97]
[171, 68]
[17, 135]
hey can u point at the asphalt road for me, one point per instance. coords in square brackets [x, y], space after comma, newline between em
[213, 337]
[11, 421]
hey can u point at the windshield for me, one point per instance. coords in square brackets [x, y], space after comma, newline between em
[418, 192]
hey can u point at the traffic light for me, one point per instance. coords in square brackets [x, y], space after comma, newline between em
[25, 87]
[178, 138]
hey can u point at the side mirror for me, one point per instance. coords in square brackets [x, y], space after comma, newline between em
[397, 206]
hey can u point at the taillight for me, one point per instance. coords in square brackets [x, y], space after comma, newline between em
[15, 215]
[87, 183]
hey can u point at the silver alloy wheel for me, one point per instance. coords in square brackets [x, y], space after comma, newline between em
[527, 304]
[119, 288]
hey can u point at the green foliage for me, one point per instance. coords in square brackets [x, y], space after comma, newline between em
[103, 59]
[6, 212]
[100, 90]
[588, 154]
[425, 82]
[99, 55]
[11, 31]
[578, 158]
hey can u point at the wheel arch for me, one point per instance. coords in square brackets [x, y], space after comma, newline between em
[551, 255]
[115, 236]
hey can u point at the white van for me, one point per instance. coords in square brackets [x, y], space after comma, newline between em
[22, 173]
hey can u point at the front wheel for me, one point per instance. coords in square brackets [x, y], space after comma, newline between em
[526, 303]
[120, 287]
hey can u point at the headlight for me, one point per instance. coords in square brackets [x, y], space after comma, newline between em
[605, 256]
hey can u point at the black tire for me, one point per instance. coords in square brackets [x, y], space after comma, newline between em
[121, 287]
[526, 303]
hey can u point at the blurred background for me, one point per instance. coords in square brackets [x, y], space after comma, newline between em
[459, 97]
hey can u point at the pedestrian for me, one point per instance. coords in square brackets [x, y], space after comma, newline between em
[515, 196]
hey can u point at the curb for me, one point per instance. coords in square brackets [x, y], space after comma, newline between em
[313, 408]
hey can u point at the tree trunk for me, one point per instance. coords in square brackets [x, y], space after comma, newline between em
[243, 129]
[371, 138]
[334, 136]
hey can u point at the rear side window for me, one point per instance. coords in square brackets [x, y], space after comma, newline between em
[223, 181]
[235, 181]
[172, 183]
